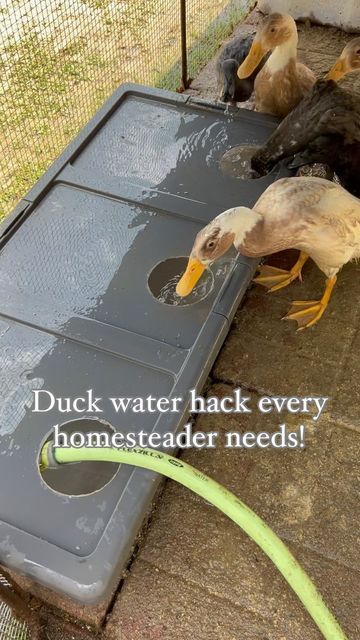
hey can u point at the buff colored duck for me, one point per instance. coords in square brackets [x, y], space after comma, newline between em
[314, 215]
[283, 81]
[231, 56]
[324, 127]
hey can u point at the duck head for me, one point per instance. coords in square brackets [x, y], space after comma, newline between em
[347, 62]
[230, 85]
[278, 30]
[230, 227]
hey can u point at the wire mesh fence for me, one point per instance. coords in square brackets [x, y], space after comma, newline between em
[60, 59]
[11, 628]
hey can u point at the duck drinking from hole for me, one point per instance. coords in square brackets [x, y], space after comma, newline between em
[313, 215]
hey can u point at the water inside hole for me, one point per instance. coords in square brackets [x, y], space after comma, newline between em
[236, 162]
[81, 478]
[164, 277]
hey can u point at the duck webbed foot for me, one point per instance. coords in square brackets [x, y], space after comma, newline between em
[273, 278]
[308, 312]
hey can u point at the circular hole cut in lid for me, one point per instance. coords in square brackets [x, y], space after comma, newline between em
[81, 478]
[164, 277]
[236, 162]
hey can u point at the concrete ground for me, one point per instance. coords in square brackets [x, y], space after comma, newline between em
[195, 575]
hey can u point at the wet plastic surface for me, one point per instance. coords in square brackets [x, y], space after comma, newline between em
[76, 313]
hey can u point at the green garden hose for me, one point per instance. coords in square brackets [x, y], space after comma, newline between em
[226, 502]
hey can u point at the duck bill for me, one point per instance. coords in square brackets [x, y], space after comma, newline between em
[192, 275]
[337, 71]
[252, 60]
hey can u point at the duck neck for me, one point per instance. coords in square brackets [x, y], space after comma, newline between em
[239, 221]
[284, 54]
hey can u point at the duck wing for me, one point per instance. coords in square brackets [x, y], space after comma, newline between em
[336, 144]
[291, 196]
[310, 214]
[326, 111]
[290, 209]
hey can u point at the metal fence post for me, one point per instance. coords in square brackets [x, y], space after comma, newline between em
[184, 71]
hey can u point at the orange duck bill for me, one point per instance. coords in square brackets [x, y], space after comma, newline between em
[192, 275]
[252, 60]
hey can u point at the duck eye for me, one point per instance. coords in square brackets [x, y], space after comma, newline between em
[272, 29]
[211, 244]
[357, 52]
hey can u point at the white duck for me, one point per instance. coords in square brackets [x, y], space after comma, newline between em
[316, 216]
